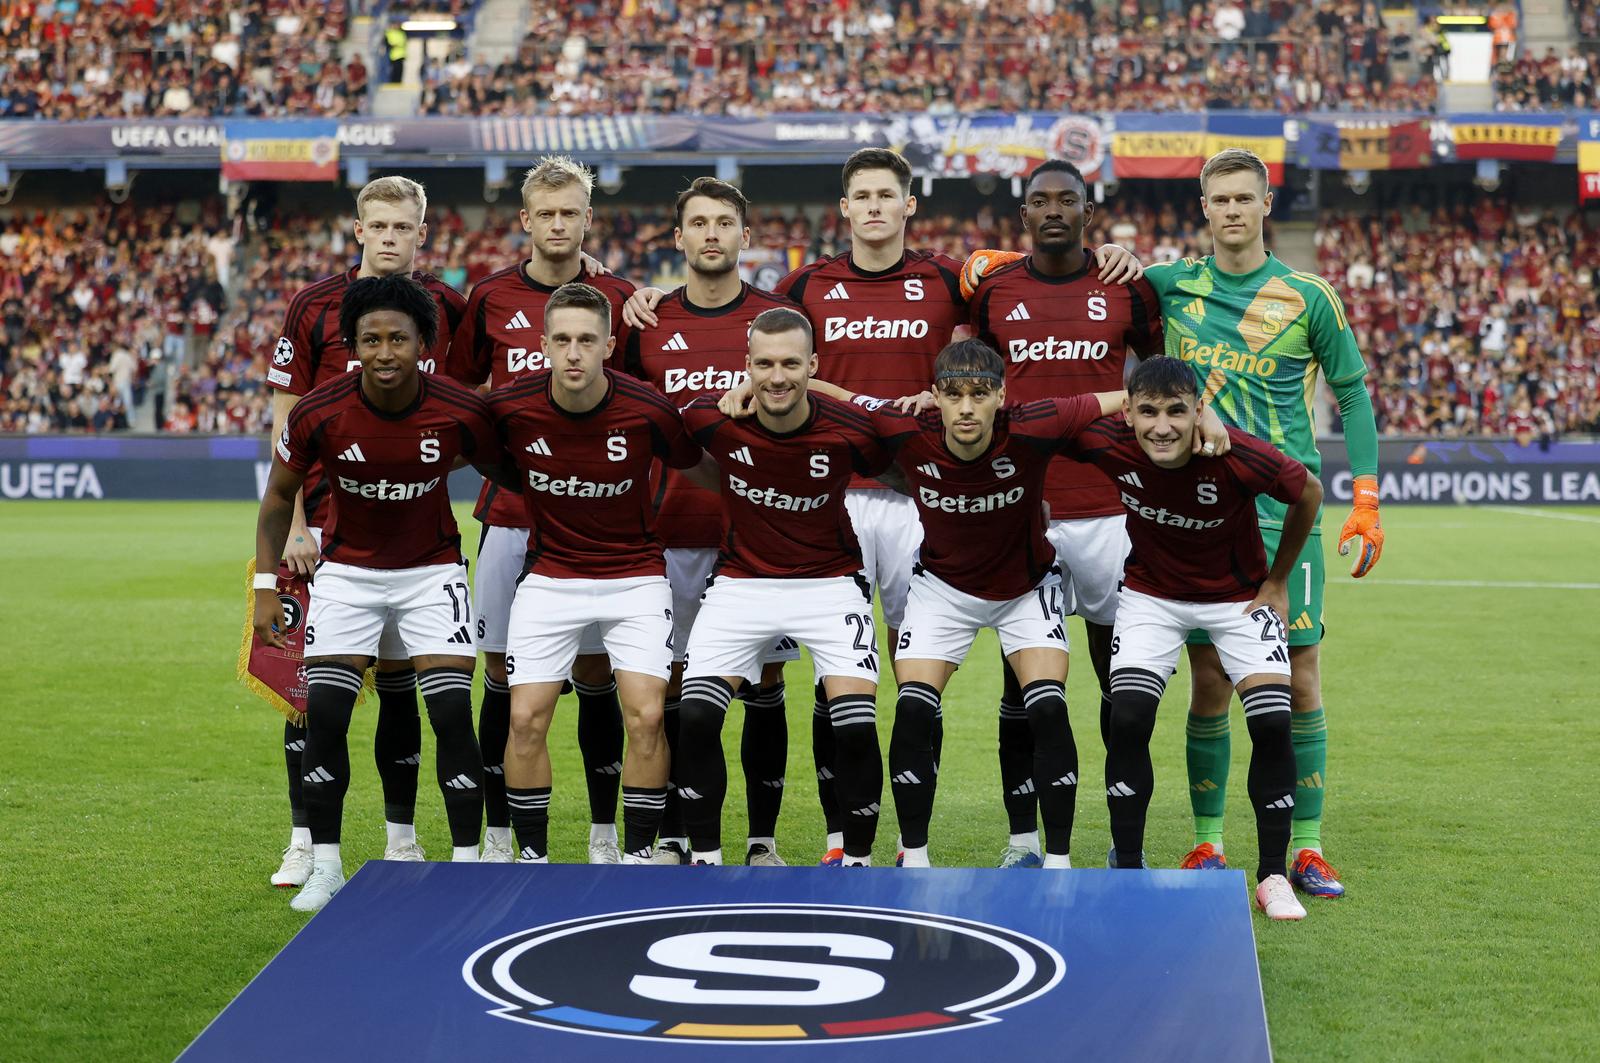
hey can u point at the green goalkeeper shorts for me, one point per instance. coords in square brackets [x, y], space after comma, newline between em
[1305, 591]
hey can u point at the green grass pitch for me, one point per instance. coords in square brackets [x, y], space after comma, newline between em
[142, 804]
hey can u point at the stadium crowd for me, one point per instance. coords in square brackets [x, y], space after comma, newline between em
[1548, 81]
[73, 59]
[609, 56]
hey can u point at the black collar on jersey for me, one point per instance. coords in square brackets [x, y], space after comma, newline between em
[399, 415]
[850, 260]
[605, 400]
[997, 433]
[815, 401]
[1088, 260]
[538, 286]
[713, 311]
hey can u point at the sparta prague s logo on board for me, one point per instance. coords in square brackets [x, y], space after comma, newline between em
[762, 973]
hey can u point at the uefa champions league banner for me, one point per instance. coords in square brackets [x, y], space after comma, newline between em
[222, 468]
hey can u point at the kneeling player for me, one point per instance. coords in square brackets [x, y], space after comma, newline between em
[1198, 564]
[789, 565]
[388, 437]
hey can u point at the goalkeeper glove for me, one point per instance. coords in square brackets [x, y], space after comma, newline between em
[1363, 525]
[979, 263]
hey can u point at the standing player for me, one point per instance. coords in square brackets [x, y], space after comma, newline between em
[1197, 555]
[790, 565]
[585, 439]
[1064, 332]
[1256, 333]
[497, 343]
[697, 347]
[388, 437]
[312, 351]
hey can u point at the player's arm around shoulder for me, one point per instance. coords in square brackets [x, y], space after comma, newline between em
[481, 443]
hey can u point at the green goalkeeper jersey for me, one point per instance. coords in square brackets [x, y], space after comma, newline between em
[1256, 341]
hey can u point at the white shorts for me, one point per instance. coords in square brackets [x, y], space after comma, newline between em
[1092, 552]
[429, 608]
[549, 617]
[941, 622]
[1150, 631]
[889, 531]
[390, 648]
[501, 555]
[740, 618]
[688, 569]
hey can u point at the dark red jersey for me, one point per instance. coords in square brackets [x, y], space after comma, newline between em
[499, 340]
[783, 495]
[692, 352]
[388, 473]
[586, 476]
[1194, 531]
[1066, 336]
[877, 333]
[983, 527]
[310, 352]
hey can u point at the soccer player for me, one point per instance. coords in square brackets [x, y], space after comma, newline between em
[496, 343]
[1063, 332]
[390, 228]
[697, 347]
[1198, 563]
[585, 438]
[1257, 333]
[789, 565]
[387, 438]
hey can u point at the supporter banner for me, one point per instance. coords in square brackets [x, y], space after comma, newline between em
[1588, 157]
[298, 150]
[1005, 145]
[1264, 136]
[1503, 135]
[1360, 145]
[1159, 145]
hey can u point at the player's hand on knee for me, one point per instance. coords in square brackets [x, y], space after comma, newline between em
[300, 551]
[640, 309]
[738, 402]
[1271, 595]
[1117, 264]
[268, 618]
[1363, 526]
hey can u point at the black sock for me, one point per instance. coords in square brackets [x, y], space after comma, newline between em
[530, 818]
[641, 817]
[294, 744]
[600, 739]
[822, 755]
[448, 694]
[860, 776]
[331, 691]
[702, 770]
[1135, 694]
[1055, 761]
[494, 731]
[397, 744]
[1016, 757]
[913, 772]
[1272, 773]
[672, 815]
[764, 754]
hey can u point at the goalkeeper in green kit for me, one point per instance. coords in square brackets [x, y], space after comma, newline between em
[1257, 334]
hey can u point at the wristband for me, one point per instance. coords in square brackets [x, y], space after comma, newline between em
[265, 581]
[1365, 490]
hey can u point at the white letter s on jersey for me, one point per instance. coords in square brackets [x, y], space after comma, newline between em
[1003, 467]
[819, 466]
[1097, 308]
[1206, 493]
[617, 448]
[913, 289]
[430, 450]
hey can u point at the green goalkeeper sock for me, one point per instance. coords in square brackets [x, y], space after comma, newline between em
[1209, 752]
[1310, 736]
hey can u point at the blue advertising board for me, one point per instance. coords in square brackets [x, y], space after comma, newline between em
[572, 962]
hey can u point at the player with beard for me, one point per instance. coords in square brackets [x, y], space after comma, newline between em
[497, 343]
[390, 228]
[1063, 332]
[387, 437]
[698, 347]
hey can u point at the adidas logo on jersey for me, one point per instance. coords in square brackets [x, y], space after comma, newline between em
[743, 455]
[676, 343]
[538, 446]
[1197, 310]
[837, 292]
[352, 453]
[518, 320]
[930, 470]
[1019, 314]
[386, 491]
[1132, 479]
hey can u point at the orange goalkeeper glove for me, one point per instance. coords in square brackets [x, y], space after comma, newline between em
[980, 262]
[1363, 525]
